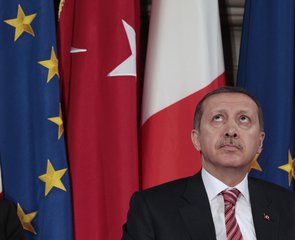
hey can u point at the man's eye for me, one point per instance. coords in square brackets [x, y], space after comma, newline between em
[244, 119]
[218, 118]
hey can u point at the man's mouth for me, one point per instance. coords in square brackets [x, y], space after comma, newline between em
[230, 146]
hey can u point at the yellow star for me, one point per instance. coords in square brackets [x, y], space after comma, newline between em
[58, 121]
[51, 64]
[26, 219]
[254, 164]
[52, 178]
[21, 23]
[289, 168]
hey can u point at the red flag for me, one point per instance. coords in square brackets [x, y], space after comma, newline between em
[100, 96]
[184, 62]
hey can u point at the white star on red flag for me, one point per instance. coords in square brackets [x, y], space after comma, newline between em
[128, 66]
[77, 50]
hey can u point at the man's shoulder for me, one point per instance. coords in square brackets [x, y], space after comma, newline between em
[173, 187]
[271, 189]
[7, 211]
[170, 190]
[165, 197]
[6, 206]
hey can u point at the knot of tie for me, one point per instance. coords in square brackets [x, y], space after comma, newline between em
[230, 196]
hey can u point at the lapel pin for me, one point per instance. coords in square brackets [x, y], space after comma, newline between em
[266, 217]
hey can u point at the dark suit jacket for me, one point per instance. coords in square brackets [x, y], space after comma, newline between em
[180, 210]
[10, 226]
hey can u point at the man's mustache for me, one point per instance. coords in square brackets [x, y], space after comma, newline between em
[230, 142]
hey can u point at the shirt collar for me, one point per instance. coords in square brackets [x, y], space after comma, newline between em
[214, 186]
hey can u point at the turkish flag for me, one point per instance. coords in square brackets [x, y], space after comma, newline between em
[184, 62]
[98, 45]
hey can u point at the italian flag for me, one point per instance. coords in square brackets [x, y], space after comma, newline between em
[184, 62]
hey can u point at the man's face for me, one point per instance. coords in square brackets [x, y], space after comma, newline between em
[230, 134]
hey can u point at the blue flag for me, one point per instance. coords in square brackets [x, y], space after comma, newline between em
[34, 167]
[266, 70]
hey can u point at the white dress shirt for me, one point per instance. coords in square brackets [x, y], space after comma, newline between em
[213, 187]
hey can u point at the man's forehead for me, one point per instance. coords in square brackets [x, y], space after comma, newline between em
[234, 97]
[230, 100]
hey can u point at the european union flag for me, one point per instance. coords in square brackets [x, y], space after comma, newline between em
[267, 70]
[33, 158]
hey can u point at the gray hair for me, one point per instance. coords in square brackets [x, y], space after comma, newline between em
[226, 89]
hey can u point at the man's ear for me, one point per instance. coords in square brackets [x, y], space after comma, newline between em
[195, 139]
[261, 138]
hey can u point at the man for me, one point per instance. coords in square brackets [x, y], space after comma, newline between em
[220, 202]
[10, 226]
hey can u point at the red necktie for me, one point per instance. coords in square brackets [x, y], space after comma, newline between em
[233, 231]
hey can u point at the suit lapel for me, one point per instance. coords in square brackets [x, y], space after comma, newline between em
[265, 218]
[197, 214]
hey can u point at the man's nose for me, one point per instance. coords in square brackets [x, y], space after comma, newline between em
[231, 132]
